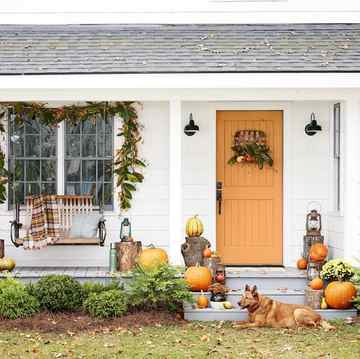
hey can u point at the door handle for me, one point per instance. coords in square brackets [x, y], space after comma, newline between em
[219, 195]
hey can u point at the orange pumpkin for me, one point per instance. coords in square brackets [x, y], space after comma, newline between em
[318, 252]
[316, 284]
[151, 258]
[198, 278]
[202, 301]
[207, 252]
[302, 263]
[338, 295]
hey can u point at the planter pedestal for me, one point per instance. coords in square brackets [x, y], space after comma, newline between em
[313, 297]
[126, 253]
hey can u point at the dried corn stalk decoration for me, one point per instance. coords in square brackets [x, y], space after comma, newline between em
[250, 146]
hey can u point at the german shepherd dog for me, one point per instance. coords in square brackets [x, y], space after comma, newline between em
[266, 312]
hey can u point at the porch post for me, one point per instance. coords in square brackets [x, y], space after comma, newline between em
[352, 179]
[175, 181]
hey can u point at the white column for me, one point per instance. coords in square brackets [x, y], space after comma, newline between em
[350, 155]
[175, 182]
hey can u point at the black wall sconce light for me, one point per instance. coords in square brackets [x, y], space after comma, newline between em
[313, 127]
[190, 129]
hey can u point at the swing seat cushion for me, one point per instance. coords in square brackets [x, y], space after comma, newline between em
[85, 225]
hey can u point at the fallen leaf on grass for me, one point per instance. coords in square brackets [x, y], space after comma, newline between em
[205, 338]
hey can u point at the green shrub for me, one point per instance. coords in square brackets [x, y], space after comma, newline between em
[108, 304]
[95, 287]
[161, 288]
[337, 269]
[15, 301]
[58, 293]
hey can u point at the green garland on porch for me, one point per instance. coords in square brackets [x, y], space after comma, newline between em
[127, 162]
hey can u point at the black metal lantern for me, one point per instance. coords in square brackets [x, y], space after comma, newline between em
[313, 127]
[190, 129]
[125, 231]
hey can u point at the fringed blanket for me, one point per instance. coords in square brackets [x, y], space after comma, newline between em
[45, 225]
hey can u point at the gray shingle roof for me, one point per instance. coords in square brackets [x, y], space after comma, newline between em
[66, 49]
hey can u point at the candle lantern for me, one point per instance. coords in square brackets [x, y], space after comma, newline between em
[125, 231]
[313, 232]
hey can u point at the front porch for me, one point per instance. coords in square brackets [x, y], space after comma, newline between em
[180, 179]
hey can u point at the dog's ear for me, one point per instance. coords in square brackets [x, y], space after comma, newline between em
[254, 290]
[247, 288]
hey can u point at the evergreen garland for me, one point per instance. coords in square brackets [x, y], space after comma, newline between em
[127, 162]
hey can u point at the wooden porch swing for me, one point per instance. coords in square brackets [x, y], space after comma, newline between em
[68, 207]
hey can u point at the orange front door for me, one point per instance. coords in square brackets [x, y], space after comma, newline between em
[249, 222]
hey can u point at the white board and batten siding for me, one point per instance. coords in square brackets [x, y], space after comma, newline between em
[307, 178]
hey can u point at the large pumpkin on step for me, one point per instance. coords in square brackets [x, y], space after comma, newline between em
[338, 295]
[198, 278]
[194, 227]
[7, 263]
[151, 258]
[318, 252]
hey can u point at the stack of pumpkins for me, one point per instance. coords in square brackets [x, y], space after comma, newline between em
[337, 294]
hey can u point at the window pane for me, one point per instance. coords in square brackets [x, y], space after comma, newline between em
[72, 170]
[72, 188]
[48, 142]
[89, 146]
[100, 145]
[108, 146]
[48, 170]
[88, 188]
[89, 171]
[16, 167]
[48, 188]
[32, 146]
[32, 126]
[108, 170]
[32, 169]
[16, 146]
[89, 126]
[73, 145]
[108, 191]
[19, 193]
[73, 129]
[32, 188]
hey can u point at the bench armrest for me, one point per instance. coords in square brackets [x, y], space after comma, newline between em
[15, 227]
[102, 232]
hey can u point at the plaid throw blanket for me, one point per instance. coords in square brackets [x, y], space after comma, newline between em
[45, 225]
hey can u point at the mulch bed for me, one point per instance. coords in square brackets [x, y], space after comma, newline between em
[72, 323]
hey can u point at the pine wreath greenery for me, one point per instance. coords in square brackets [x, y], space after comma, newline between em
[251, 152]
[127, 164]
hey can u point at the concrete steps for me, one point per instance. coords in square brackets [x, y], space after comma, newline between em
[236, 314]
[283, 284]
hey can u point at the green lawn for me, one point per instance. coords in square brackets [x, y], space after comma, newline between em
[193, 340]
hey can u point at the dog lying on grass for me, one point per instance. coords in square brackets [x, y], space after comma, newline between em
[266, 312]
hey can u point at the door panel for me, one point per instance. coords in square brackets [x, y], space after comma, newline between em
[249, 227]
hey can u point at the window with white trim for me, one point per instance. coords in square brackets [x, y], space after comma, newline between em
[87, 160]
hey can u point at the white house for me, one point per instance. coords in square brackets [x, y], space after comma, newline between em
[230, 77]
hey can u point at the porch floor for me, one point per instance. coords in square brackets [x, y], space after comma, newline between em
[103, 272]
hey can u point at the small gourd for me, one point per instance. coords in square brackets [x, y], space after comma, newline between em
[202, 301]
[207, 252]
[194, 227]
[323, 304]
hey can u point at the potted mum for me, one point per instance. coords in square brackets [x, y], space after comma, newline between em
[339, 292]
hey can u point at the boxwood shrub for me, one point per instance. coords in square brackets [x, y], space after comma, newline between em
[59, 293]
[96, 287]
[15, 301]
[107, 304]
